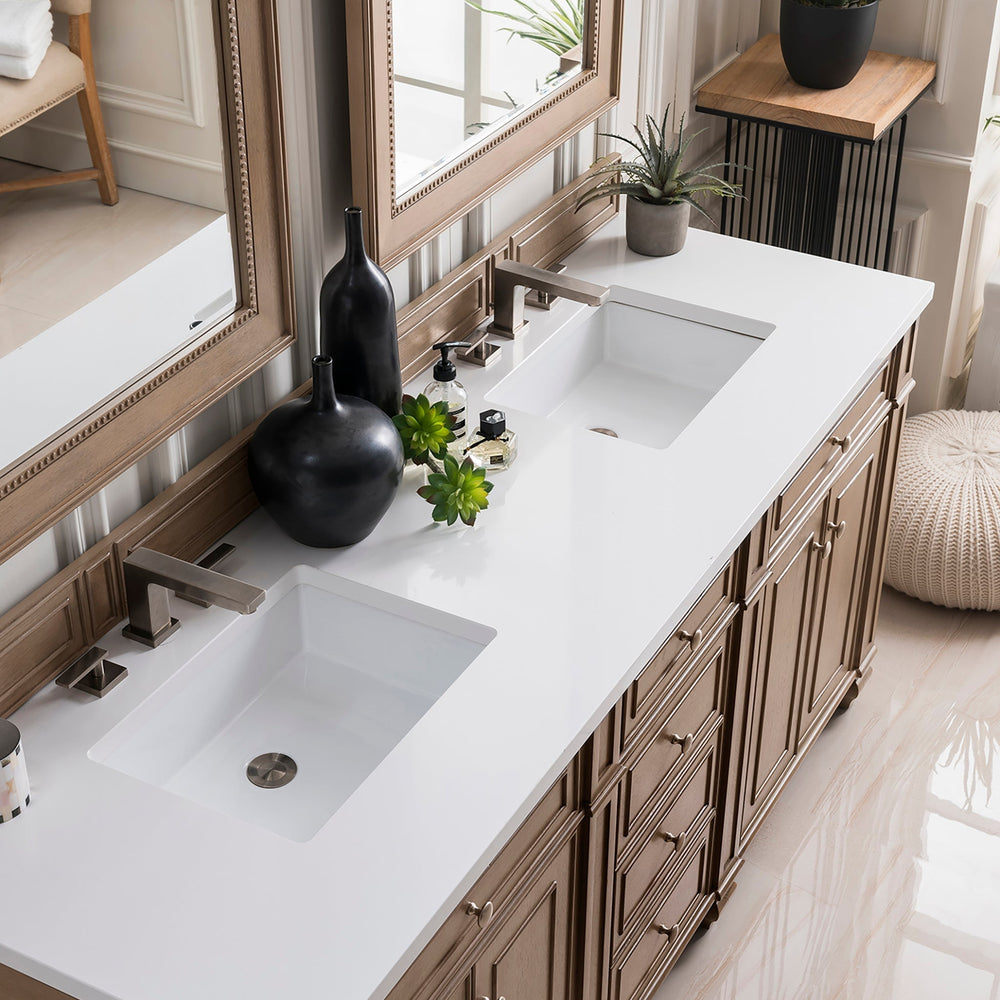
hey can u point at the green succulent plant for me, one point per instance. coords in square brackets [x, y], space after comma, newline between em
[458, 491]
[656, 176]
[425, 429]
[556, 26]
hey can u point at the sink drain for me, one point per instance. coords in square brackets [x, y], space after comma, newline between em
[271, 770]
[604, 430]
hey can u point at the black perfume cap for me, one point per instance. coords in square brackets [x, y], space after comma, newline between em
[492, 423]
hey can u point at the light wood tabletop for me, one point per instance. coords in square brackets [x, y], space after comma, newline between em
[757, 85]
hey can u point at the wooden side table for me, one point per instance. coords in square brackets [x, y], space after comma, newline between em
[819, 168]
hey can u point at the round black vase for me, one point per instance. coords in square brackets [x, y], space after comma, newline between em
[326, 468]
[824, 47]
[357, 314]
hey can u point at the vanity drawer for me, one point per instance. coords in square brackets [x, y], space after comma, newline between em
[675, 739]
[500, 887]
[690, 806]
[660, 676]
[840, 442]
[641, 963]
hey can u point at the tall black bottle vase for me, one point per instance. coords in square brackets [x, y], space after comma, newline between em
[326, 468]
[358, 324]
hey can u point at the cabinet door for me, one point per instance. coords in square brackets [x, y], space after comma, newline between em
[776, 638]
[532, 956]
[854, 506]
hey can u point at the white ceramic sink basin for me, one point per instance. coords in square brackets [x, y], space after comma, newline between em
[330, 673]
[640, 365]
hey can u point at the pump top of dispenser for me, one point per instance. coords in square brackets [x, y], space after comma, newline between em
[444, 370]
[492, 423]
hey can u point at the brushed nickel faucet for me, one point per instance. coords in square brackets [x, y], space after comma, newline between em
[149, 576]
[510, 282]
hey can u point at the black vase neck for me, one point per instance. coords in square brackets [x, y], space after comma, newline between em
[324, 396]
[355, 236]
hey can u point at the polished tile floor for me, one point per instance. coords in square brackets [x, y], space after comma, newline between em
[877, 876]
[61, 248]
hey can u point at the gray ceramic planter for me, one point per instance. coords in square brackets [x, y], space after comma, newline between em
[655, 230]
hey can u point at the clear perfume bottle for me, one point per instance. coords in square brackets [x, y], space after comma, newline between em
[492, 446]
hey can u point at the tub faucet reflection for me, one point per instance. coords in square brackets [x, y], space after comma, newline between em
[511, 280]
[149, 576]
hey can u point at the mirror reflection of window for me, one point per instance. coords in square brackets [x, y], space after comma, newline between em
[463, 71]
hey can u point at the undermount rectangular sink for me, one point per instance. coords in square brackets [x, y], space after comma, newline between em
[640, 366]
[329, 673]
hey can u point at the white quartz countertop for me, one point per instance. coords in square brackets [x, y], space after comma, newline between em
[589, 554]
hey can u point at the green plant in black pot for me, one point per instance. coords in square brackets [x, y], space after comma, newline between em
[660, 193]
[825, 42]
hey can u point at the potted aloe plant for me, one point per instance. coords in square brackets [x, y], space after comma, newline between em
[660, 193]
[825, 42]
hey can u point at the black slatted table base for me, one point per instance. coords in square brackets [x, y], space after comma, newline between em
[812, 191]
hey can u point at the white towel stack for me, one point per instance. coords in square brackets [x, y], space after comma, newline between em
[25, 36]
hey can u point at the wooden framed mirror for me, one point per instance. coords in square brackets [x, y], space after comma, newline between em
[439, 60]
[84, 454]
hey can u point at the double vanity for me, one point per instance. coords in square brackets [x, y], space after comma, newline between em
[528, 756]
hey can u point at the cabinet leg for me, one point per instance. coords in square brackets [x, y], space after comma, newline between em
[722, 897]
[860, 680]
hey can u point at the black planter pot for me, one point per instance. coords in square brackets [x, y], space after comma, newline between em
[824, 47]
[326, 468]
[357, 313]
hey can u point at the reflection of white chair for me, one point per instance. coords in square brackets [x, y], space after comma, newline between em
[63, 73]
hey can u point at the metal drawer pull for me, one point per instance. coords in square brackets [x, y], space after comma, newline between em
[684, 742]
[842, 443]
[671, 932]
[483, 914]
[692, 639]
[823, 548]
[837, 529]
[677, 839]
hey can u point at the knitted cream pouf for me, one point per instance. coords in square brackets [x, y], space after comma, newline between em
[944, 528]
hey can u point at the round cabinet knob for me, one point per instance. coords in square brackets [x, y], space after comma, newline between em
[677, 839]
[670, 932]
[483, 914]
[684, 742]
[843, 443]
[837, 529]
[823, 548]
[693, 639]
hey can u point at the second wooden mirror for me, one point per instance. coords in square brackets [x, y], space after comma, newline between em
[493, 93]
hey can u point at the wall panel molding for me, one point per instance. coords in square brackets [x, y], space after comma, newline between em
[936, 45]
[189, 108]
[983, 242]
[907, 240]
[935, 158]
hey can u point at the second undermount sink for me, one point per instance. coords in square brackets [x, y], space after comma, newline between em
[640, 366]
[328, 674]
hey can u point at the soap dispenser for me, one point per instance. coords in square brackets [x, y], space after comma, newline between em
[445, 386]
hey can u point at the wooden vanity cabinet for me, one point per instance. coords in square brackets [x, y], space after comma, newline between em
[677, 779]
[812, 583]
